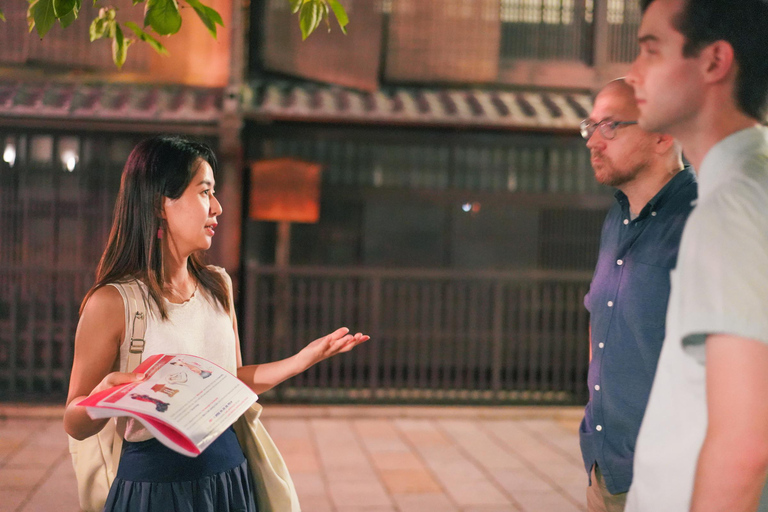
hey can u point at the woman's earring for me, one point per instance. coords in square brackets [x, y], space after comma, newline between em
[160, 233]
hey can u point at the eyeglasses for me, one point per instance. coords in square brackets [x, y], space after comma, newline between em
[607, 128]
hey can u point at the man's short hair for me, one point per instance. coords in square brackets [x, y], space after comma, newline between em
[743, 24]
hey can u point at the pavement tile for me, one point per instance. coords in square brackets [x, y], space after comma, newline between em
[282, 428]
[365, 508]
[492, 508]
[31, 455]
[12, 499]
[463, 481]
[358, 494]
[21, 478]
[357, 459]
[396, 460]
[427, 502]
[316, 504]
[57, 491]
[299, 454]
[547, 502]
[403, 481]
[515, 480]
[485, 450]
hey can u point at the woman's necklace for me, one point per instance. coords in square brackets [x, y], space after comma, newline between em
[178, 295]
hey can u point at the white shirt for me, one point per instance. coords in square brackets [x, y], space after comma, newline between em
[199, 326]
[720, 286]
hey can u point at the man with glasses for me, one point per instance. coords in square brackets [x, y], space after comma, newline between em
[627, 298]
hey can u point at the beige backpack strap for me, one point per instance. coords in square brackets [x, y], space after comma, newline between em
[138, 324]
[136, 327]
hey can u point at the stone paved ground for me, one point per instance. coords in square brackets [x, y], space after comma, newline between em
[356, 459]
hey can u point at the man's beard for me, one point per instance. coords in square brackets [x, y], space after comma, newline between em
[611, 176]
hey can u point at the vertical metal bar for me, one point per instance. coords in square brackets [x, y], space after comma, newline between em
[325, 291]
[13, 342]
[314, 326]
[376, 348]
[251, 307]
[473, 338]
[336, 363]
[29, 346]
[47, 341]
[300, 324]
[571, 338]
[388, 343]
[558, 343]
[350, 360]
[461, 336]
[401, 340]
[523, 335]
[546, 337]
[425, 336]
[534, 348]
[438, 335]
[497, 336]
[67, 341]
[411, 336]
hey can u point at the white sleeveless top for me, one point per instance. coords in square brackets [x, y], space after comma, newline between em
[199, 326]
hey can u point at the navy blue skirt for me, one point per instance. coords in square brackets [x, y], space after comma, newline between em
[151, 478]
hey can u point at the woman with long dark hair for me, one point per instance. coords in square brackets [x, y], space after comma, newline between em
[165, 216]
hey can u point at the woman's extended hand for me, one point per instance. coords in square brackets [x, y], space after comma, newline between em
[115, 379]
[329, 345]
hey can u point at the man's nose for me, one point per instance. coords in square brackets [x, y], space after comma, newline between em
[595, 140]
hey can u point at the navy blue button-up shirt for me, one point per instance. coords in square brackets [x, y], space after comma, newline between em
[627, 302]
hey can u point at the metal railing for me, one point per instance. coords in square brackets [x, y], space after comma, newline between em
[38, 318]
[437, 335]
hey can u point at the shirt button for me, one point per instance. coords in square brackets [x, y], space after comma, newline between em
[610, 303]
[626, 221]
[599, 428]
[653, 214]
[619, 262]
[597, 387]
[601, 344]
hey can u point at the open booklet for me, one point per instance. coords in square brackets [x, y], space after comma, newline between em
[185, 401]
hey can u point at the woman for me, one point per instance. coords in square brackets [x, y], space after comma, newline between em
[165, 215]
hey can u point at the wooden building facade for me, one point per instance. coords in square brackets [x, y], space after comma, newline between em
[459, 217]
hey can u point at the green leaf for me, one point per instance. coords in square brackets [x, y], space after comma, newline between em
[68, 18]
[296, 5]
[341, 14]
[208, 16]
[310, 17]
[97, 29]
[119, 47]
[42, 16]
[104, 25]
[143, 36]
[136, 2]
[2, 16]
[163, 16]
[63, 7]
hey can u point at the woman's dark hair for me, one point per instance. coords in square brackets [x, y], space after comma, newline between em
[157, 168]
[744, 25]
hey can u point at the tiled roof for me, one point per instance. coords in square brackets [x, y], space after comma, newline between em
[113, 102]
[417, 106]
[296, 101]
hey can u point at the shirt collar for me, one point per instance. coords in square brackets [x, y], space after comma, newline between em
[724, 160]
[679, 180]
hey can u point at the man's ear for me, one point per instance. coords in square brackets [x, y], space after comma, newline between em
[718, 61]
[663, 143]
